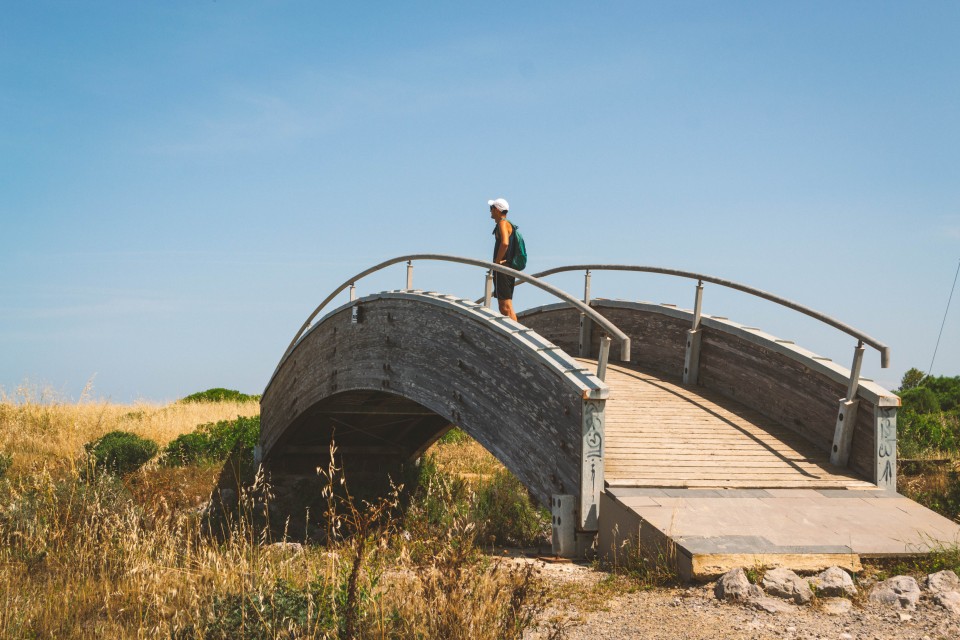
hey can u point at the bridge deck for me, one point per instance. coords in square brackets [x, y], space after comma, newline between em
[718, 486]
[660, 433]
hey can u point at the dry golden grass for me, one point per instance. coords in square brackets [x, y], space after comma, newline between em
[101, 557]
[467, 459]
[38, 429]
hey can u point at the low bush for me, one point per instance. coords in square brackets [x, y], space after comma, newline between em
[6, 461]
[213, 441]
[220, 395]
[121, 452]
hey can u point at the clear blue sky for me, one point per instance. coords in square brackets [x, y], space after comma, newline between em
[181, 183]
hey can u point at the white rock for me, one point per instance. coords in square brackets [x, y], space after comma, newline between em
[942, 581]
[836, 606]
[834, 582]
[949, 600]
[846, 636]
[771, 605]
[733, 585]
[904, 588]
[883, 594]
[786, 584]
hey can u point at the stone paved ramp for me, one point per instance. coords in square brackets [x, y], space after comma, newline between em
[712, 531]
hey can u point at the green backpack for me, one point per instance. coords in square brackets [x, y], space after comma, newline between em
[519, 261]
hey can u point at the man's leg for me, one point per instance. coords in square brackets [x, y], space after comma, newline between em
[506, 308]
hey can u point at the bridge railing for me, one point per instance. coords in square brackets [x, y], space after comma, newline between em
[861, 337]
[585, 309]
[848, 406]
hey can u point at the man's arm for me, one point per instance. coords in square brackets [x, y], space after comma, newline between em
[505, 231]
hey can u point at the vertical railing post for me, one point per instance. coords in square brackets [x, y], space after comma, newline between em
[353, 292]
[691, 359]
[586, 325]
[409, 275]
[604, 357]
[488, 289]
[847, 416]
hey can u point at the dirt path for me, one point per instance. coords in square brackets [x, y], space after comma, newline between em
[593, 606]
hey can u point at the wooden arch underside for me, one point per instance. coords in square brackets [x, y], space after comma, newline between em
[371, 429]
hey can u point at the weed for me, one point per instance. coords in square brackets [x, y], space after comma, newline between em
[505, 514]
[646, 566]
[940, 558]
[755, 573]
[454, 436]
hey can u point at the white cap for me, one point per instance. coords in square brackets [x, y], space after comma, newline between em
[499, 203]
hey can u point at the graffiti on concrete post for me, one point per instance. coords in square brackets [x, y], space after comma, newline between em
[591, 464]
[886, 430]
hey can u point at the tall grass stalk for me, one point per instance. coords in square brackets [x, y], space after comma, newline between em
[84, 554]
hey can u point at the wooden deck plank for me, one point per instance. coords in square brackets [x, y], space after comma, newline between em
[660, 433]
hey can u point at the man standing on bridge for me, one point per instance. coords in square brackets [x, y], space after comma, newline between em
[503, 250]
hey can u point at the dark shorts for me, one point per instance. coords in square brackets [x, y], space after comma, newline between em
[503, 286]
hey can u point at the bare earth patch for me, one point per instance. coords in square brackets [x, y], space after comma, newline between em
[590, 604]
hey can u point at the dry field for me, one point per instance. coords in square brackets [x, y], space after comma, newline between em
[87, 555]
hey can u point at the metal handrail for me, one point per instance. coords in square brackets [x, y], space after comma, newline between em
[856, 333]
[611, 328]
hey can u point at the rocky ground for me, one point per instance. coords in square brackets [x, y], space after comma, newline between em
[588, 604]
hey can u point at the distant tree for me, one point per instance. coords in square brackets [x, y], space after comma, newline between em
[911, 379]
[920, 400]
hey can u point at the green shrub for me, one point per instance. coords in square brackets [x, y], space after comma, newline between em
[213, 441]
[121, 452]
[220, 395]
[6, 461]
[920, 400]
[927, 434]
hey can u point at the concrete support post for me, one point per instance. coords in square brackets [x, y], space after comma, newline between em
[353, 292]
[488, 290]
[409, 275]
[885, 453]
[691, 358]
[604, 357]
[591, 464]
[564, 524]
[586, 325]
[847, 414]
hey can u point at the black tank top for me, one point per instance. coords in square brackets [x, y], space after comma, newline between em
[511, 245]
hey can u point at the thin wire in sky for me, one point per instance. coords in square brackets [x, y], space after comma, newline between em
[930, 370]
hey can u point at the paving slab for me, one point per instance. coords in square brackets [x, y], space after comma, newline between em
[800, 529]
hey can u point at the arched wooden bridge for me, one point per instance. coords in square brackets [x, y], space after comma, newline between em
[703, 435]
